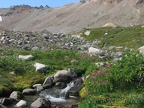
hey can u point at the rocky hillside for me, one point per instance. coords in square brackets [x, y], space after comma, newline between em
[73, 17]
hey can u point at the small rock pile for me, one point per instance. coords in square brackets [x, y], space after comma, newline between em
[41, 40]
[59, 80]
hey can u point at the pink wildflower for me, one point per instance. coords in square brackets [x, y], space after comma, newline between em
[108, 65]
[91, 77]
[104, 82]
[93, 83]
[98, 73]
[96, 83]
[93, 73]
[106, 73]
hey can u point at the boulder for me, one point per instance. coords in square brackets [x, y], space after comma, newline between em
[64, 75]
[87, 32]
[141, 49]
[29, 91]
[74, 91]
[60, 85]
[41, 103]
[25, 57]
[41, 68]
[6, 101]
[16, 95]
[21, 104]
[94, 51]
[38, 87]
[2, 106]
[48, 82]
[46, 36]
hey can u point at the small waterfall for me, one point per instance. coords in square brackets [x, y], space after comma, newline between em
[57, 95]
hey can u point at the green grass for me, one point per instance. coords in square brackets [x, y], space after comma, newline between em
[122, 89]
[25, 72]
[131, 37]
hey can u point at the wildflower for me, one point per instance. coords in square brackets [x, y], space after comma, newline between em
[106, 74]
[108, 65]
[93, 83]
[104, 82]
[91, 77]
[93, 73]
[96, 83]
[98, 73]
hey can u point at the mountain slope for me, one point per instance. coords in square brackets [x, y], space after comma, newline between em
[74, 17]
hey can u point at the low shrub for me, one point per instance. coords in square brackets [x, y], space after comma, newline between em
[128, 73]
[135, 101]
[91, 102]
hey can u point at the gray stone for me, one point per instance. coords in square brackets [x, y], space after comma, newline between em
[41, 103]
[21, 104]
[29, 91]
[12, 73]
[94, 51]
[46, 36]
[141, 49]
[25, 57]
[64, 75]
[60, 85]
[6, 101]
[16, 95]
[49, 82]
[2, 106]
[41, 68]
[78, 84]
[87, 32]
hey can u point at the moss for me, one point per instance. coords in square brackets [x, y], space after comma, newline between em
[84, 92]
[5, 91]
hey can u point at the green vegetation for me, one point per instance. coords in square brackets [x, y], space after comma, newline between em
[25, 72]
[131, 37]
[115, 85]
[118, 85]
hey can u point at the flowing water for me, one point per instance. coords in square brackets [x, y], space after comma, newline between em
[58, 97]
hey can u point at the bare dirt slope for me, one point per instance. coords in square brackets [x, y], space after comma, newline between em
[74, 17]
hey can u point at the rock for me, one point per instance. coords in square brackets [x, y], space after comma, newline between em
[25, 57]
[110, 25]
[94, 51]
[48, 82]
[60, 85]
[29, 91]
[64, 75]
[141, 49]
[41, 68]
[16, 95]
[87, 32]
[78, 84]
[0, 18]
[21, 104]
[41, 103]
[35, 48]
[6, 101]
[12, 73]
[38, 87]
[73, 106]
[27, 47]
[99, 64]
[2, 106]
[46, 36]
